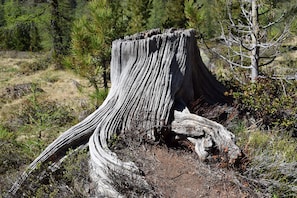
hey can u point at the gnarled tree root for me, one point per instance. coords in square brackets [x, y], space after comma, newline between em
[154, 77]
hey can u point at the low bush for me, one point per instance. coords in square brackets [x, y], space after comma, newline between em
[265, 129]
[46, 113]
[273, 102]
[12, 157]
[37, 65]
[20, 90]
[22, 36]
[71, 180]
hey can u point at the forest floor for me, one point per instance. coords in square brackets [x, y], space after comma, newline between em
[179, 173]
[171, 172]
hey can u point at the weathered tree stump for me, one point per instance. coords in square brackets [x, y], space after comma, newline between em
[154, 77]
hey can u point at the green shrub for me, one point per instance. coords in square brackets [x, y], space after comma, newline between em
[22, 36]
[272, 105]
[46, 113]
[12, 158]
[71, 180]
[273, 101]
[98, 97]
[30, 67]
[37, 122]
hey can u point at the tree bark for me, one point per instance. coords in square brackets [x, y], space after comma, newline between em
[255, 48]
[154, 78]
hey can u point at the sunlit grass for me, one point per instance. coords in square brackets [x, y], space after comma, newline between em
[273, 160]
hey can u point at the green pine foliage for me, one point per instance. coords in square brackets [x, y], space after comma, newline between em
[175, 16]
[2, 19]
[61, 17]
[204, 16]
[157, 14]
[92, 35]
[192, 13]
[137, 13]
[20, 31]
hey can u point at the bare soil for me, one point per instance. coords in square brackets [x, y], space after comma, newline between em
[175, 172]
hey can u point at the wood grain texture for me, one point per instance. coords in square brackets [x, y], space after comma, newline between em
[154, 77]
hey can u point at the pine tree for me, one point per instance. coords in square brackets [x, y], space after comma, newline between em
[204, 16]
[2, 19]
[62, 16]
[137, 13]
[91, 41]
[19, 30]
[157, 14]
[175, 16]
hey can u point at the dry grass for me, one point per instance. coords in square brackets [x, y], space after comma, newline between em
[60, 91]
[59, 85]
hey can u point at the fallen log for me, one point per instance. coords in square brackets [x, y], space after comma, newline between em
[154, 78]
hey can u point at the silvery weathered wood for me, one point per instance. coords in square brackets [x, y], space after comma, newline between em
[205, 134]
[154, 77]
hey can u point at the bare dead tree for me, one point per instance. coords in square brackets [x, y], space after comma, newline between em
[246, 38]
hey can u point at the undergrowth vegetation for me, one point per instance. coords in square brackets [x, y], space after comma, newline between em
[271, 102]
[29, 121]
[70, 180]
[37, 65]
[77, 35]
[26, 131]
[265, 127]
[266, 131]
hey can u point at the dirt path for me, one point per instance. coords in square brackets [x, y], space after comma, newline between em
[178, 173]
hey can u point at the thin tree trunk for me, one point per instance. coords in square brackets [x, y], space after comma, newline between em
[55, 27]
[154, 78]
[255, 35]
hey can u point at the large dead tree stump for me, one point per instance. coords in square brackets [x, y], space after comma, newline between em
[154, 77]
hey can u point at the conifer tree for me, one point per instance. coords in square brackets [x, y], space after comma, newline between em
[137, 13]
[19, 30]
[204, 16]
[62, 16]
[157, 14]
[2, 20]
[91, 41]
[175, 16]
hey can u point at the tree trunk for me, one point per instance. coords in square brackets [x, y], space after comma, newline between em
[57, 33]
[154, 78]
[255, 48]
